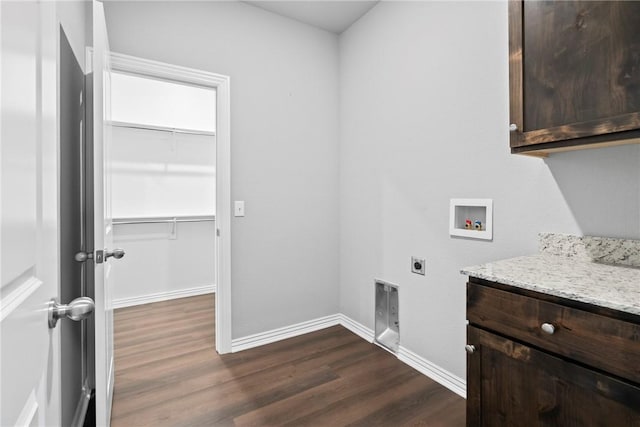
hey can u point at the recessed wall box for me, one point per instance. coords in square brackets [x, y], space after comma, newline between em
[472, 218]
[387, 319]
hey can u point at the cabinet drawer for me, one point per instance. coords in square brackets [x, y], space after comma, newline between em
[599, 341]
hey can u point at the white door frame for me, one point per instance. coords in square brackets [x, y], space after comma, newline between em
[221, 84]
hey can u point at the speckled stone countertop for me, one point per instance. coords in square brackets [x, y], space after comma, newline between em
[570, 276]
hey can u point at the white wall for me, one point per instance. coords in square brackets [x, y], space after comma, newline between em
[161, 262]
[141, 100]
[158, 173]
[284, 152]
[424, 118]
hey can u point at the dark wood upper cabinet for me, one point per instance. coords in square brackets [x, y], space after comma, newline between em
[574, 74]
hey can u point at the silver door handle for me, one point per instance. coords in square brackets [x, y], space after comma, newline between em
[83, 256]
[116, 253]
[78, 309]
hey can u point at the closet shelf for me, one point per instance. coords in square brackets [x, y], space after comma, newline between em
[161, 128]
[163, 219]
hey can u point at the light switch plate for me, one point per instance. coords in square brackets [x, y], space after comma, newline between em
[238, 208]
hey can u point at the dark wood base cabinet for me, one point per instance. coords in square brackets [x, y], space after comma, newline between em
[513, 382]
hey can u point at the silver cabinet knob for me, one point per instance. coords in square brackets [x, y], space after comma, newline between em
[116, 253]
[548, 328]
[78, 309]
[469, 348]
[513, 127]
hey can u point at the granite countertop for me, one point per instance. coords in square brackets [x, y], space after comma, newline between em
[575, 274]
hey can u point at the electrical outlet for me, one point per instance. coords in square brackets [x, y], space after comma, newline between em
[418, 265]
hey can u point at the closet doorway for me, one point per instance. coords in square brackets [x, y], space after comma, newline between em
[170, 185]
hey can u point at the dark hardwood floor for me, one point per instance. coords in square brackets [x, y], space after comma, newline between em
[168, 374]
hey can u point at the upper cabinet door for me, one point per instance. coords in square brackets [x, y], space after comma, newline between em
[574, 74]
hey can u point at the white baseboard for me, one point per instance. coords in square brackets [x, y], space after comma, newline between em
[433, 371]
[163, 296]
[420, 364]
[279, 334]
[357, 328]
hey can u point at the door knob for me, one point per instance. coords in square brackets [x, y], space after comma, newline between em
[469, 348]
[83, 256]
[116, 253]
[78, 309]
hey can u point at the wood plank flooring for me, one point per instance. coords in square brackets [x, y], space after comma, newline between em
[168, 374]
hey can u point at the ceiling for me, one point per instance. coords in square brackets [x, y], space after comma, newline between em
[330, 15]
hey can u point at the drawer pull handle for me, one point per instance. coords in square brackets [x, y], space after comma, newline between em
[469, 348]
[548, 328]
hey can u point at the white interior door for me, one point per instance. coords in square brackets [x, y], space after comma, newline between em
[103, 227]
[29, 260]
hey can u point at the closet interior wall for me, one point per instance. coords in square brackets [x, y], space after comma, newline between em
[163, 184]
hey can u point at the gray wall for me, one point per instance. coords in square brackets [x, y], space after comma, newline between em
[424, 118]
[284, 145]
[75, 18]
